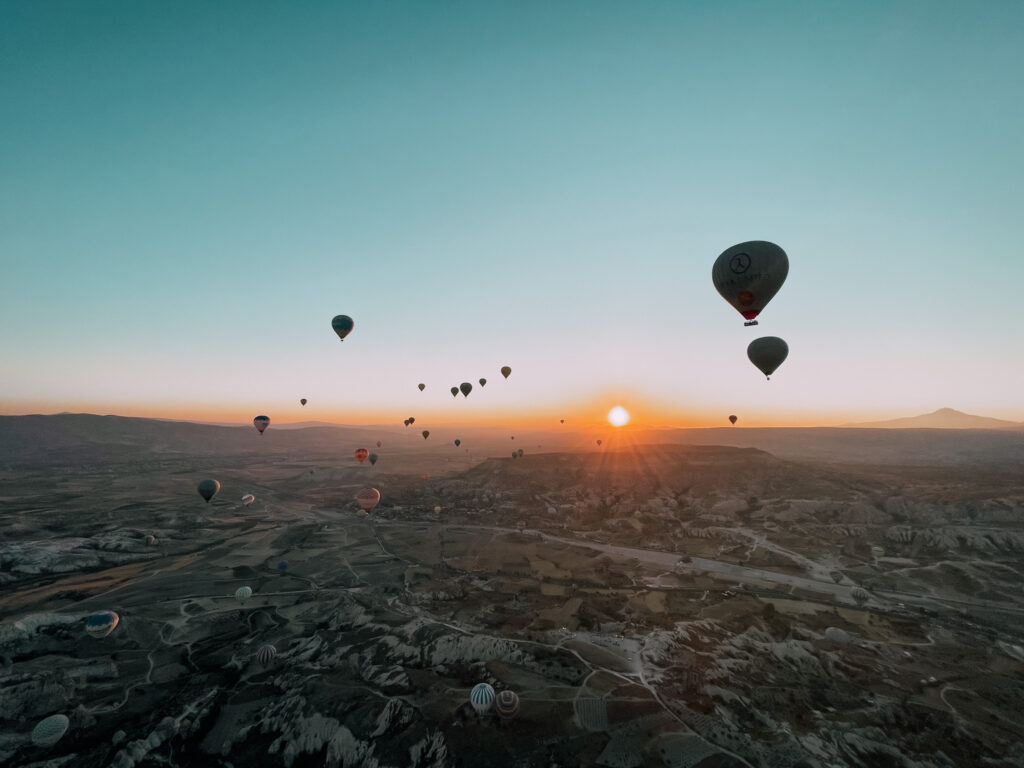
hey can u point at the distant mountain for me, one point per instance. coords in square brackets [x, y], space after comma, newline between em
[944, 418]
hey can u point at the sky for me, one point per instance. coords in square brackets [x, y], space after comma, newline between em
[189, 192]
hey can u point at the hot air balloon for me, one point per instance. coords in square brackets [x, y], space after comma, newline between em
[282, 565]
[426, 475]
[507, 704]
[412, 419]
[748, 275]
[437, 510]
[406, 422]
[426, 433]
[520, 451]
[101, 624]
[767, 353]
[379, 443]
[732, 419]
[422, 386]
[465, 387]
[598, 442]
[368, 498]
[483, 382]
[342, 325]
[266, 654]
[505, 371]
[302, 401]
[373, 459]
[361, 454]
[455, 391]
[208, 489]
[49, 730]
[248, 499]
[457, 442]
[242, 594]
[261, 423]
[482, 698]
[512, 437]
[561, 421]
[151, 540]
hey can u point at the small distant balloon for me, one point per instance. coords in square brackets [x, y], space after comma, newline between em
[412, 420]
[505, 371]
[732, 419]
[748, 275]
[342, 325]
[49, 730]
[437, 510]
[455, 391]
[520, 451]
[768, 353]
[368, 498]
[406, 422]
[151, 540]
[266, 654]
[379, 443]
[457, 442]
[512, 437]
[208, 489]
[361, 454]
[282, 565]
[465, 387]
[561, 421]
[101, 624]
[422, 386]
[426, 433]
[483, 382]
[598, 442]
[242, 594]
[507, 705]
[373, 459]
[481, 697]
[261, 423]
[248, 499]
[302, 401]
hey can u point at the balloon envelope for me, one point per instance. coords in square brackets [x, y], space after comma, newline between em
[598, 442]
[261, 423]
[507, 704]
[302, 401]
[368, 498]
[342, 325]
[422, 387]
[749, 274]
[248, 499]
[266, 654]
[465, 387]
[412, 419]
[455, 391]
[282, 565]
[767, 353]
[483, 382]
[426, 433]
[49, 730]
[373, 458]
[208, 489]
[732, 419]
[101, 624]
[243, 593]
[457, 442]
[361, 454]
[505, 371]
[379, 443]
[481, 697]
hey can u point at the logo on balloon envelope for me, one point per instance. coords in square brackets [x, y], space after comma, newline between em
[745, 298]
[739, 263]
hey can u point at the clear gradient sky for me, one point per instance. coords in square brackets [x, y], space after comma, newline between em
[190, 191]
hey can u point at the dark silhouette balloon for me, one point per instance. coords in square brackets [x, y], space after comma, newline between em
[302, 401]
[483, 382]
[768, 353]
[422, 387]
[457, 442]
[373, 459]
[261, 423]
[282, 565]
[266, 654]
[465, 387]
[426, 433]
[748, 275]
[406, 422]
[455, 391]
[342, 325]
[732, 419]
[379, 443]
[208, 489]
[412, 420]
[505, 371]
[598, 442]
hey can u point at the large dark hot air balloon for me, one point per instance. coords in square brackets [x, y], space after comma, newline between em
[732, 419]
[767, 353]
[465, 387]
[455, 391]
[426, 433]
[483, 382]
[342, 325]
[302, 401]
[505, 371]
[506, 703]
[368, 498]
[261, 423]
[208, 489]
[748, 275]
[422, 387]
[361, 454]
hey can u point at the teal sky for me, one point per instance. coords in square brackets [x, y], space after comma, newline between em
[190, 191]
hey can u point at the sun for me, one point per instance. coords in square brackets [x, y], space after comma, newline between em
[618, 416]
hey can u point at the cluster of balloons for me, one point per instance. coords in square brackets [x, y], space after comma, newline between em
[483, 698]
[748, 276]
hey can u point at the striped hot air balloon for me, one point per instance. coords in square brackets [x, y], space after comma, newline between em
[481, 697]
[266, 654]
[49, 730]
[242, 594]
[101, 624]
[507, 705]
[368, 498]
